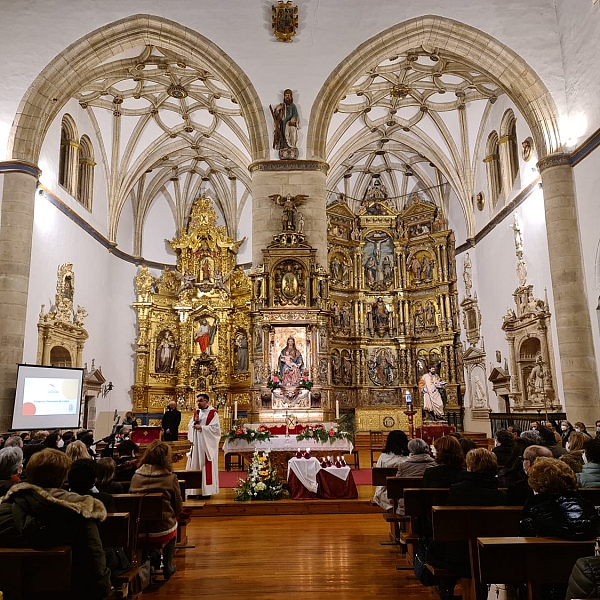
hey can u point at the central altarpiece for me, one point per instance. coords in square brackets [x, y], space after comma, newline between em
[293, 340]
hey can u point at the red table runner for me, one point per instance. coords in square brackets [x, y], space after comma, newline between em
[330, 487]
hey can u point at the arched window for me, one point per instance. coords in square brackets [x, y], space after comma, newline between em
[60, 357]
[69, 149]
[509, 151]
[492, 164]
[85, 179]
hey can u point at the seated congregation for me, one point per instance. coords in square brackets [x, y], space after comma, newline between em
[58, 500]
[473, 517]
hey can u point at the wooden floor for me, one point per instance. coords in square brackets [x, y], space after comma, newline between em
[321, 557]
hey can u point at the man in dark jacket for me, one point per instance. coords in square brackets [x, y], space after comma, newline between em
[549, 441]
[39, 514]
[170, 422]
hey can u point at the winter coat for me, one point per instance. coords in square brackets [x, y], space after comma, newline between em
[441, 476]
[476, 489]
[584, 581]
[566, 516]
[589, 476]
[574, 460]
[33, 517]
[503, 454]
[386, 460]
[519, 493]
[150, 479]
[415, 465]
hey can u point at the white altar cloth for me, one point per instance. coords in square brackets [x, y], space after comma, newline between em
[281, 443]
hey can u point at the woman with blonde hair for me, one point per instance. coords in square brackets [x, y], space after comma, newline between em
[450, 461]
[77, 450]
[155, 475]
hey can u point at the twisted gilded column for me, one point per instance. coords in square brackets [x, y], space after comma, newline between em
[16, 229]
[571, 309]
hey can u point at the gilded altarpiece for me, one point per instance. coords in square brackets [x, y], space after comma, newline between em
[393, 302]
[193, 323]
[290, 329]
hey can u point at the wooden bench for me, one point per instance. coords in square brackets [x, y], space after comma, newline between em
[395, 492]
[379, 475]
[142, 508]
[193, 479]
[418, 503]
[26, 572]
[466, 524]
[534, 561]
[591, 494]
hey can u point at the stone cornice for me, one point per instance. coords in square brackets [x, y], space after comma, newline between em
[289, 165]
[554, 160]
[20, 166]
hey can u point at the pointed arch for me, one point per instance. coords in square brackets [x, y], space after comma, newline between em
[509, 156]
[69, 150]
[492, 167]
[85, 177]
[68, 73]
[472, 46]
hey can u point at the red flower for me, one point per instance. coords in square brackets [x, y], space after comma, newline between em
[238, 432]
[331, 433]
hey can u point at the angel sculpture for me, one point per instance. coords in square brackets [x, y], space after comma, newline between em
[290, 204]
[188, 281]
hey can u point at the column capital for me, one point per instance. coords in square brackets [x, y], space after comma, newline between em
[554, 160]
[20, 166]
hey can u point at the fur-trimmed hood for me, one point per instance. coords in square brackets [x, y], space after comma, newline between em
[87, 506]
[152, 471]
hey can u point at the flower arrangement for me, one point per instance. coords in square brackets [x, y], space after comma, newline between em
[262, 482]
[274, 381]
[322, 435]
[248, 434]
[305, 382]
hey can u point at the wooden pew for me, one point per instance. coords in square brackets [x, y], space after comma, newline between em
[395, 492]
[193, 479]
[114, 531]
[142, 508]
[591, 494]
[418, 503]
[26, 572]
[534, 561]
[379, 475]
[466, 524]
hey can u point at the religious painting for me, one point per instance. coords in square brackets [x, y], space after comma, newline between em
[382, 366]
[166, 352]
[420, 266]
[339, 269]
[289, 354]
[290, 284]
[378, 260]
[204, 335]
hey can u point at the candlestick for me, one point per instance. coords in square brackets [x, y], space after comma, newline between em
[235, 406]
[337, 409]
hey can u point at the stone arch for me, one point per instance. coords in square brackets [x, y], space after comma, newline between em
[68, 73]
[453, 38]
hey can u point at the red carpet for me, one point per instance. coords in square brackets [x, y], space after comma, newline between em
[230, 479]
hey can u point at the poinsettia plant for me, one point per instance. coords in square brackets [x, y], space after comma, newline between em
[322, 435]
[248, 434]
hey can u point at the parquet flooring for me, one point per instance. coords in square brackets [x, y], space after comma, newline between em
[316, 557]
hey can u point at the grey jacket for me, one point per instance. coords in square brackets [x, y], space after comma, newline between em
[589, 476]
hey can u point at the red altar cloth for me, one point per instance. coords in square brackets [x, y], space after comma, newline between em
[145, 434]
[432, 432]
[330, 487]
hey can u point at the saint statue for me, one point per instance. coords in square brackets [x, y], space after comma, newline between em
[286, 123]
[164, 360]
[291, 364]
[467, 277]
[205, 336]
[242, 353]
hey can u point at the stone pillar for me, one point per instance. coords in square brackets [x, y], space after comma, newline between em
[571, 310]
[16, 229]
[288, 177]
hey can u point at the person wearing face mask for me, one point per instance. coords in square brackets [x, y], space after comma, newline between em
[590, 472]
[597, 428]
[566, 429]
[580, 428]
[574, 456]
[550, 442]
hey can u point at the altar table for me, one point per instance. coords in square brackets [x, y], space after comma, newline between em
[307, 480]
[281, 443]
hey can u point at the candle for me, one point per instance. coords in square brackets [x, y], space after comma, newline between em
[408, 398]
[235, 405]
[337, 409]
[308, 451]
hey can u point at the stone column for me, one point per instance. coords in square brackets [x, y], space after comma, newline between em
[16, 229]
[288, 177]
[571, 310]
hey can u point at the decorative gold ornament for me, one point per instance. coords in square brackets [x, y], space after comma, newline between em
[284, 21]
